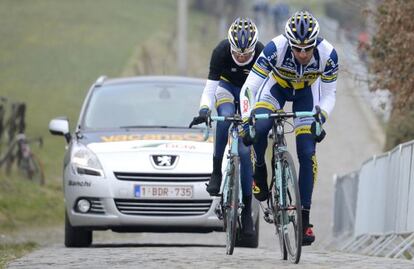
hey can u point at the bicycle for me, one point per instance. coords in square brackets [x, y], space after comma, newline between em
[27, 161]
[231, 205]
[284, 208]
[18, 144]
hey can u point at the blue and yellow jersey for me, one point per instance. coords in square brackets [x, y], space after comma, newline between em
[277, 57]
[278, 62]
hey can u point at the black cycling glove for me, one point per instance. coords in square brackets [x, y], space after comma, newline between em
[202, 117]
[317, 130]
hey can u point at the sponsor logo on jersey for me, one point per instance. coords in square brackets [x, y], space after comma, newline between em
[271, 57]
[293, 76]
[245, 106]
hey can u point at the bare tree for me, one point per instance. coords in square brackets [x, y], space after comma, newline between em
[392, 63]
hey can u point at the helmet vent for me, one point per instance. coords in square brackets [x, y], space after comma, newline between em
[243, 35]
[302, 28]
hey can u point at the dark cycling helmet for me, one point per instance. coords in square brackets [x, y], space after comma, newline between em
[243, 35]
[302, 29]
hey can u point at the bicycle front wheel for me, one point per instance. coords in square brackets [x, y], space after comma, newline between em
[292, 214]
[277, 217]
[232, 205]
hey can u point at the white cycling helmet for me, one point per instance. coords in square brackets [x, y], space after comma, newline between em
[302, 29]
[243, 35]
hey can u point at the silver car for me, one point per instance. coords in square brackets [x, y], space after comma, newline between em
[133, 165]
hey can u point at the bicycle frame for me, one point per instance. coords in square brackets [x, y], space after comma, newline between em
[279, 148]
[233, 152]
[229, 206]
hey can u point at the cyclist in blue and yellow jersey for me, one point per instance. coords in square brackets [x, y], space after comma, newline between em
[231, 62]
[300, 67]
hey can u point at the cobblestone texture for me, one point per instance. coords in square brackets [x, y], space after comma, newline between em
[190, 251]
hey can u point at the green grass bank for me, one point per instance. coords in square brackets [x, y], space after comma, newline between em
[50, 53]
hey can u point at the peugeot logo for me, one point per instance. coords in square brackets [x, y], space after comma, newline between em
[164, 161]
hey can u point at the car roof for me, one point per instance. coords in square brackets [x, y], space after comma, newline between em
[162, 79]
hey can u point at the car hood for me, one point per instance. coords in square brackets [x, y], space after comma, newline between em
[186, 140]
[147, 150]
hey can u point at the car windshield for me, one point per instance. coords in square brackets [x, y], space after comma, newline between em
[143, 104]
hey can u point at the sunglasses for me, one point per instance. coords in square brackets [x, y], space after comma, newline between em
[242, 54]
[302, 49]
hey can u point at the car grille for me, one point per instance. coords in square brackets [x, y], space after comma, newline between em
[163, 207]
[96, 207]
[162, 177]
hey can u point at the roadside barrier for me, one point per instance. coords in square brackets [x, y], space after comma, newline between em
[374, 207]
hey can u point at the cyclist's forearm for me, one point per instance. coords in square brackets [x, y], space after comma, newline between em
[207, 99]
[248, 93]
[328, 97]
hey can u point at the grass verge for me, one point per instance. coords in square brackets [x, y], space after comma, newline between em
[13, 251]
[24, 204]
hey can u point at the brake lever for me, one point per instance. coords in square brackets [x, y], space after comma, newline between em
[208, 120]
[252, 126]
[206, 132]
[318, 114]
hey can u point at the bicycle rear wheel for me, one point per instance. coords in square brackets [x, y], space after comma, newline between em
[232, 205]
[32, 169]
[292, 215]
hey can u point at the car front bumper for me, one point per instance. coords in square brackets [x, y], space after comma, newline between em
[109, 197]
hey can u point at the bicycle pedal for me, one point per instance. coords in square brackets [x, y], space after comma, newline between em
[267, 217]
[219, 212]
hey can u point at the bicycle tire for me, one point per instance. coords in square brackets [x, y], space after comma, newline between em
[277, 218]
[33, 169]
[292, 225]
[232, 206]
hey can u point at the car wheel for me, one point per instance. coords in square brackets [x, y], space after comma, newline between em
[251, 241]
[76, 237]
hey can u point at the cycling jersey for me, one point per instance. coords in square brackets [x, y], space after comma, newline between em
[223, 67]
[278, 62]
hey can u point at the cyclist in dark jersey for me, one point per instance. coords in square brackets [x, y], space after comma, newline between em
[230, 65]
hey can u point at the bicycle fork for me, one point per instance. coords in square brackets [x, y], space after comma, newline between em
[224, 202]
[280, 188]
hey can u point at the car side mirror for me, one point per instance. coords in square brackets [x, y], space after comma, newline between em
[60, 126]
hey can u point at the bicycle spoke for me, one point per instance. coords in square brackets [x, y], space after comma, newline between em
[293, 222]
[277, 220]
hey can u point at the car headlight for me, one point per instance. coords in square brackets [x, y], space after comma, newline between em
[85, 162]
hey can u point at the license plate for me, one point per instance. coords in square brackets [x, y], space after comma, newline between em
[154, 191]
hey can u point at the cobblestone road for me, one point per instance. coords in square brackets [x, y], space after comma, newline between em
[190, 251]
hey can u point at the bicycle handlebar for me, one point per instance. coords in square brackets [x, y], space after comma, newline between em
[284, 115]
[235, 118]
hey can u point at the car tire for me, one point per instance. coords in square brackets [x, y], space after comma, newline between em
[75, 236]
[251, 241]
